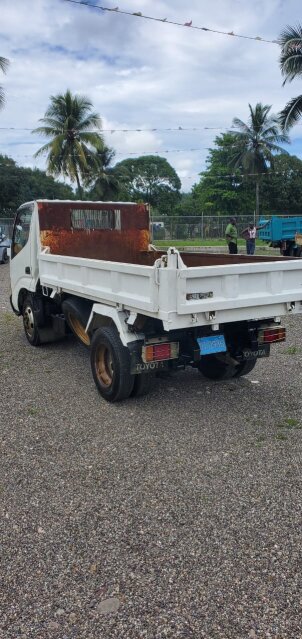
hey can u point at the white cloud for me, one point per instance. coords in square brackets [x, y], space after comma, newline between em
[143, 74]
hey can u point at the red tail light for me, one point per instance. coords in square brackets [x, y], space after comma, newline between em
[271, 335]
[160, 352]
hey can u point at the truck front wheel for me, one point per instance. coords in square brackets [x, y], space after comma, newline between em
[110, 364]
[30, 323]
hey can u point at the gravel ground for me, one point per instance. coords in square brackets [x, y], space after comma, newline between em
[176, 515]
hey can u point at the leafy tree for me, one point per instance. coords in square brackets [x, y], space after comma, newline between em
[72, 149]
[255, 143]
[4, 63]
[150, 179]
[188, 205]
[221, 190]
[19, 185]
[291, 67]
[282, 188]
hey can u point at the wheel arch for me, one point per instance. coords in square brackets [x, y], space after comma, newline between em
[102, 315]
[21, 298]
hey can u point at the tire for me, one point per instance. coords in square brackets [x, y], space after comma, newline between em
[77, 313]
[30, 323]
[5, 258]
[244, 368]
[142, 385]
[110, 365]
[213, 368]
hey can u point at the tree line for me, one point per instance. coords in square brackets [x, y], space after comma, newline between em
[247, 168]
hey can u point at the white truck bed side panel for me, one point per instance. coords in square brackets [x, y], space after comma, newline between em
[239, 286]
[113, 282]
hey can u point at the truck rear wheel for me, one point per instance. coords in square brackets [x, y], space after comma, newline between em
[245, 367]
[213, 368]
[142, 385]
[77, 313]
[110, 365]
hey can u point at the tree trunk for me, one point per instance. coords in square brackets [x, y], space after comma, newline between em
[80, 190]
[257, 199]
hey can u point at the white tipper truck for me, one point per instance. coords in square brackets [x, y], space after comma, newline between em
[89, 268]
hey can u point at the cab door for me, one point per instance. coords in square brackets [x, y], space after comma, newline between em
[21, 263]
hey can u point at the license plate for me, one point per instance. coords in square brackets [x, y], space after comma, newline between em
[211, 344]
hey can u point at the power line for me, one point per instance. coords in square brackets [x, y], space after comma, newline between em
[139, 152]
[179, 128]
[188, 24]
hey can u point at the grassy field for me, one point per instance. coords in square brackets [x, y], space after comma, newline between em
[199, 242]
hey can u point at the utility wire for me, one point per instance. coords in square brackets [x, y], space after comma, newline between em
[179, 128]
[188, 24]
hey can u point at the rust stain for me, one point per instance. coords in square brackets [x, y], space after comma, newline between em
[123, 245]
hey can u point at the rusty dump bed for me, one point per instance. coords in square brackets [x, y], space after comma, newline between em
[113, 231]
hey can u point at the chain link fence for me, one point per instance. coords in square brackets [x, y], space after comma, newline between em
[205, 227]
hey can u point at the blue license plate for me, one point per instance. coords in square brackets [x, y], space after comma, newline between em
[212, 344]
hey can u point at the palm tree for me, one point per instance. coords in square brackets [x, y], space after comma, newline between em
[256, 142]
[104, 181]
[72, 149]
[4, 63]
[291, 67]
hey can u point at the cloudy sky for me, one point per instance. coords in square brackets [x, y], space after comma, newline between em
[143, 74]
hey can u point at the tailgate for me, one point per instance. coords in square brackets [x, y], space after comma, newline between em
[207, 289]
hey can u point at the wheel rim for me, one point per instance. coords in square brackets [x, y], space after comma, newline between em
[78, 329]
[29, 321]
[104, 366]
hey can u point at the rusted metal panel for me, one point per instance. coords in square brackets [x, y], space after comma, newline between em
[122, 244]
[210, 259]
[216, 259]
[101, 245]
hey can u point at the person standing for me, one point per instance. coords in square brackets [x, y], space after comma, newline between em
[250, 237]
[231, 235]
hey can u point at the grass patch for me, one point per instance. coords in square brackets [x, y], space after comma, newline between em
[33, 411]
[8, 317]
[281, 437]
[292, 350]
[260, 439]
[290, 423]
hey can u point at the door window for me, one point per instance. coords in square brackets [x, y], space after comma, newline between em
[21, 230]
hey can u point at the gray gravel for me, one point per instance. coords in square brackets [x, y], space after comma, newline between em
[176, 515]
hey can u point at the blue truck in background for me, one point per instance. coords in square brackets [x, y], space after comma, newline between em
[284, 233]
